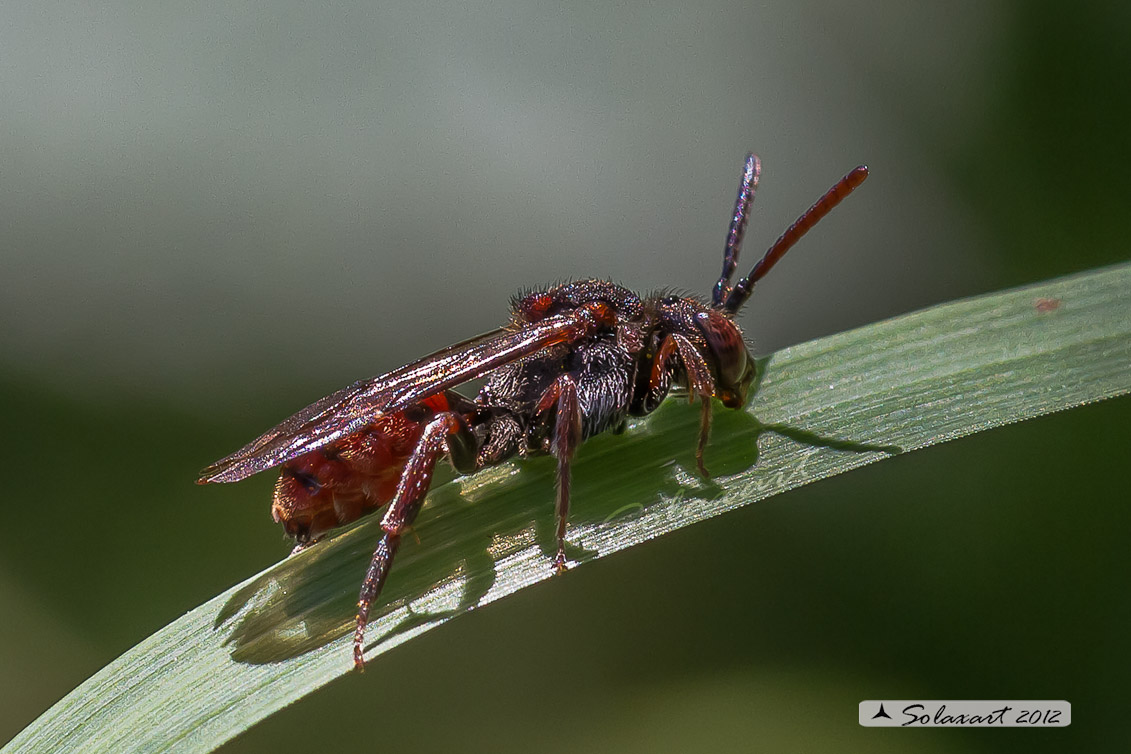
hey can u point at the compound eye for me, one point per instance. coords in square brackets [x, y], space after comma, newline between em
[726, 344]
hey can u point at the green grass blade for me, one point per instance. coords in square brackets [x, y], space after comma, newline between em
[822, 408]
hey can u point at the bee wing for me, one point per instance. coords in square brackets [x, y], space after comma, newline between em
[350, 409]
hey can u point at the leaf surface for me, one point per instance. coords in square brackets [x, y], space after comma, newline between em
[821, 408]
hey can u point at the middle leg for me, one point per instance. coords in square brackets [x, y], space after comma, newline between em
[567, 436]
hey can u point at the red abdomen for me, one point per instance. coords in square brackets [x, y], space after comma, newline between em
[341, 482]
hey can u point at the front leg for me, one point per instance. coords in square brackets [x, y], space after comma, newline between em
[699, 384]
[567, 436]
[304, 545]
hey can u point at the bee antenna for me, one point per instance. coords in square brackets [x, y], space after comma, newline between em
[746, 188]
[834, 196]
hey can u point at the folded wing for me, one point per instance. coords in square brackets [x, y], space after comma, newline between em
[349, 410]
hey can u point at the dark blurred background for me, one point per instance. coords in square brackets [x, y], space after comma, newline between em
[213, 213]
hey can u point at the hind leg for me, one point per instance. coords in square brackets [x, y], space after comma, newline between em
[447, 433]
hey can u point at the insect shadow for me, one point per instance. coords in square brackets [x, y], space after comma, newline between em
[470, 525]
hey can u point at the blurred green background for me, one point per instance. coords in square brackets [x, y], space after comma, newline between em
[214, 213]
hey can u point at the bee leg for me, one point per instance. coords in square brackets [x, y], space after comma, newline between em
[446, 429]
[700, 384]
[567, 436]
[304, 545]
[704, 433]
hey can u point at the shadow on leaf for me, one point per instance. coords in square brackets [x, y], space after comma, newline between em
[470, 524]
